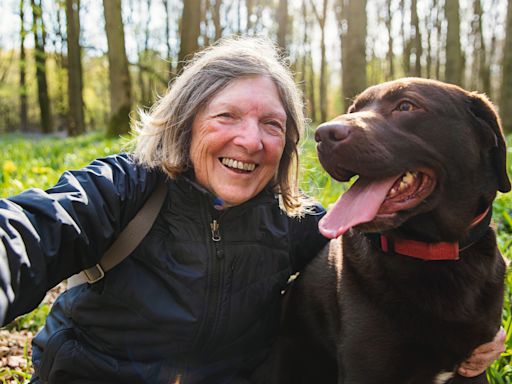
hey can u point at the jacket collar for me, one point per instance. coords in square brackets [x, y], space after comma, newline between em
[434, 251]
[265, 196]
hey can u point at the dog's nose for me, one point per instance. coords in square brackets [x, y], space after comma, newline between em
[332, 131]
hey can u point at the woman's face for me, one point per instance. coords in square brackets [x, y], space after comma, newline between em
[238, 139]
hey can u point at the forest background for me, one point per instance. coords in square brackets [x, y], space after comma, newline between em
[73, 72]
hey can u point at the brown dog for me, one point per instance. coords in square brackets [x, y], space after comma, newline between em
[416, 281]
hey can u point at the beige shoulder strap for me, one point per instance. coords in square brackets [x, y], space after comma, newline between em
[126, 242]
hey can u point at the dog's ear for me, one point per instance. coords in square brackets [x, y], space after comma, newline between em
[486, 115]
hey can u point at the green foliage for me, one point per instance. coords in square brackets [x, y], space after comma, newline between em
[32, 321]
[39, 161]
[314, 180]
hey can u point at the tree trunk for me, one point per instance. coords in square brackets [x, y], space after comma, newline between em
[480, 58]
[190, 29]
[307, 73]
[249, 6]
[323, 65]
[354, 49]
[216, 19]
[418, 51]
[282, 23]
[389, 56]
[506, 80]
[76, 124]
[40, 56]
[23, 72]
[439, 29]
[143, 56]
[454, 59]
[171, 73]
[429, 26]
[119, 76]
[312, 87]
[406, 42]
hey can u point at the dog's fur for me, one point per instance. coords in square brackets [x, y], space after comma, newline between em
[357, 315]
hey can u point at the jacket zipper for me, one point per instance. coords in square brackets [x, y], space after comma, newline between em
[214, 296]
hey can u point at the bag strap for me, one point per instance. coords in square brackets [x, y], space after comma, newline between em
[126, 242]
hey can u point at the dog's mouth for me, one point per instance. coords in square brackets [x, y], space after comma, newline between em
[368, 199]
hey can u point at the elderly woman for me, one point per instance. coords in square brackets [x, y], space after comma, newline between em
[198, 300]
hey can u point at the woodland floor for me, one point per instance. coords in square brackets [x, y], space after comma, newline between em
[16, 348]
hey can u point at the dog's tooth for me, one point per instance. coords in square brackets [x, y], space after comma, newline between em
[408, 178]
[240, 165]
[230, 163]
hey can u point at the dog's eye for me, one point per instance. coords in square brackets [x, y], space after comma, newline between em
[405, 106]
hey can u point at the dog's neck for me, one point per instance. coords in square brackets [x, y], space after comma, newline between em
[434, 251]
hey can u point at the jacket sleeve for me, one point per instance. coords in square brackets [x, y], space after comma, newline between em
[47, 236]
[306, 240]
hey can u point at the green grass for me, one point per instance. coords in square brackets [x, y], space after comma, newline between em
[38, 162]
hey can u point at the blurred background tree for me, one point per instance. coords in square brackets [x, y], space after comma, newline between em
[72, 66]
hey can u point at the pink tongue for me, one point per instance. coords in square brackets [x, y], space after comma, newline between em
[358, 205]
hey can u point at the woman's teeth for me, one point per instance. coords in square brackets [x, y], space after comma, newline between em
[238, 164]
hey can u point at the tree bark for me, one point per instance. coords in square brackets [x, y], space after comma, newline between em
[439, 28]
[389, 56]
[506, 80]
[454, 59]
[429, 27]
[282, 24]
[418, 51]
[171, 73]
[321, 18]
[190, 29]
[23, 72]
[354, 49]
[119, 76]
[76, 123]
[216, 19]
[249, 6]
[406, 42]
[480, 61]
[40, 58]
[308, 75]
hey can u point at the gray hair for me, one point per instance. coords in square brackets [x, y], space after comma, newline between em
[163, 136]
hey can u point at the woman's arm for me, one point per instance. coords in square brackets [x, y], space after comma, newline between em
[47, 236]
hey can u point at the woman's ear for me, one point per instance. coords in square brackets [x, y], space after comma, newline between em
[489, 120]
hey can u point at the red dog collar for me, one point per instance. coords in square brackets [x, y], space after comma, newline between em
[434, 251]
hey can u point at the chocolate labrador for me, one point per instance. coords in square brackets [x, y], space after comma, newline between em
[416, 281]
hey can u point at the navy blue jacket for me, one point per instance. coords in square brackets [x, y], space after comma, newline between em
[181, 306]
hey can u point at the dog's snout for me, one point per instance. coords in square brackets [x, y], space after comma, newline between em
[332, 131]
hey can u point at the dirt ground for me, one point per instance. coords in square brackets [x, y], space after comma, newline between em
[15, 347]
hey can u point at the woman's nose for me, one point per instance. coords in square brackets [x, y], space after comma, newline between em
[250, 137]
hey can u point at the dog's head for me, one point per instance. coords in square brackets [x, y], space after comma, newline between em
[430, 157]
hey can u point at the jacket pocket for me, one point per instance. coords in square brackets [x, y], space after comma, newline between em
[55, 343]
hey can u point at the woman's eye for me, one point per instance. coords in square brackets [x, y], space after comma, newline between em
[405, 106]
[225, 114]
[275, 124]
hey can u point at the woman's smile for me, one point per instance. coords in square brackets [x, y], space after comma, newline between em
[238, 139]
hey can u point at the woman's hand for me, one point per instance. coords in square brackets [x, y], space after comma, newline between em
[483, 356]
